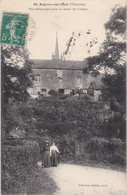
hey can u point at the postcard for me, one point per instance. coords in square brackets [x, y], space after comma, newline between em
[63, 97]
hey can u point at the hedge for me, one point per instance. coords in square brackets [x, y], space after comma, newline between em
[18, 163]
[111, 151]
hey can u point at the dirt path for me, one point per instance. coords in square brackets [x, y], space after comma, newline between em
[81, 180]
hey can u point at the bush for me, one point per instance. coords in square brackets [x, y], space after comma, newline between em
[109, 151]
[118, 151]
[86, 97]
[18, 162]
[53, 93]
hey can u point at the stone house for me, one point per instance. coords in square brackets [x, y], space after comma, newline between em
[63, 76]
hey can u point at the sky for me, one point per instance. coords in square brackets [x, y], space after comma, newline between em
[91, 16]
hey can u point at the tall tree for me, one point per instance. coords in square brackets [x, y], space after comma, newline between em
[15, 80]
[111, 57]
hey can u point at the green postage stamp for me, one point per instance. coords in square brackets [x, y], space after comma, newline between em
[14, 28]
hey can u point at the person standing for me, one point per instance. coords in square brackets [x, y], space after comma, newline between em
[54, 154]
[47, 160]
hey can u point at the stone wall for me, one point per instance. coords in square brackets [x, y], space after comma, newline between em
[67, 79]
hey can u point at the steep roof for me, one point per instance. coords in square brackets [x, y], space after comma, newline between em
[58, 64]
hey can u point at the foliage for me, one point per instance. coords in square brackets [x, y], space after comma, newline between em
[112, 51]
[15, 73]
[116, 126]
[75, 118]
[17, 160]
[17, 133]
[115, 85]
[18, 163]
[111, 57]
[73, 121]
[19, 115]
[109, 151]
[53, 93]
[117, 22]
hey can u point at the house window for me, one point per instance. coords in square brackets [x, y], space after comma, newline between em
[72, 92]
[78, 83]
[37, 77]
[43, 92]
[90, 90]
[61, 91]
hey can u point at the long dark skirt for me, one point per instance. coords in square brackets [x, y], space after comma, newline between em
[47, 160]
[54, 159]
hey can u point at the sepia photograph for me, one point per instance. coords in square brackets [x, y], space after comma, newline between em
[63, 97]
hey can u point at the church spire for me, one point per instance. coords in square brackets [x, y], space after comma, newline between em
[56, 56]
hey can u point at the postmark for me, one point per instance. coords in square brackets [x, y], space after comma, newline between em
[31, 31]
[14, 28]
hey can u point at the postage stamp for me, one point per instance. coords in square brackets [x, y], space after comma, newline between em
[14, 28]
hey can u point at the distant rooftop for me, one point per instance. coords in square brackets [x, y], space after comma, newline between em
[58, 64]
